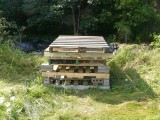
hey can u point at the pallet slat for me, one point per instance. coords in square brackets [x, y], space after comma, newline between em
[76, 75]
[67, 54]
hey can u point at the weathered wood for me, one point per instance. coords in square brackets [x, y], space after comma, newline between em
[81, 87]
[78, 38]
[75, 82]
[76, 61]
[76, 75]
[65, 49]
[47, 81]
[78, 55]
[76, 46]
[57, 82]
[97, 81]
[55, 67]
[46, 67]
[87, 50]
[81, 64]
[78, 43]
[67, 82]
[103, 69]
[106, 83]
[85, 82]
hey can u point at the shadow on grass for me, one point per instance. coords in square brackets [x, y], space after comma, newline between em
[126, 85]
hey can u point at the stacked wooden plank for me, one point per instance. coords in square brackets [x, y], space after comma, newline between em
[77, 62]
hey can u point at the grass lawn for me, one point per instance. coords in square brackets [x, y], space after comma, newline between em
[134, 93]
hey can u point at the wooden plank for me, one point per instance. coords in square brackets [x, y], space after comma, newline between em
[47, 81]
[76, 75]
[87, 59]
[66, 37]
[76, 46]
[81, 87]
[103, 71]
[93, 50]
[78, 39]
[81, 64]
[84, 55]
[76, 61]
[46, 67]
[85, 82]
[78, 43]
[103, 67]
[55, 67]
[106, 83]
[70, 41]
[96, 81]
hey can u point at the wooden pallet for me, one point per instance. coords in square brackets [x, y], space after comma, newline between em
[93, 81]
[76, 75]
[80, 44]
[77, 61]
[65, 53]
[67, 67]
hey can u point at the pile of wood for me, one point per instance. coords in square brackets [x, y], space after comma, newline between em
[77, 62]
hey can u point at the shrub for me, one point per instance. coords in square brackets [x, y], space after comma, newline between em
[156, 42]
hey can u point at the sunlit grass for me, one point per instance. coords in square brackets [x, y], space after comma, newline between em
[134, 93]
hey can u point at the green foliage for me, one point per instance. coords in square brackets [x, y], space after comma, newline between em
[156, 42]
[134, 88]
[88, 25]
[132, 20]
[16, 62]
[3, 30]
[129, 66]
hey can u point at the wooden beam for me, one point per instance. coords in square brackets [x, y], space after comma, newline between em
[78, 55]
[76, 75]
[76, 46]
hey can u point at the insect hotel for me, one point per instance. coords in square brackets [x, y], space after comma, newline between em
[77, 62]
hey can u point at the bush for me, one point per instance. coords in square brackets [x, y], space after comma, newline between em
[156, 42]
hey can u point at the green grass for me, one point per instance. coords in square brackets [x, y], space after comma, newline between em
[134, 93]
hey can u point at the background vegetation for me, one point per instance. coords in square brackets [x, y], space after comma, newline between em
[117, 20]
